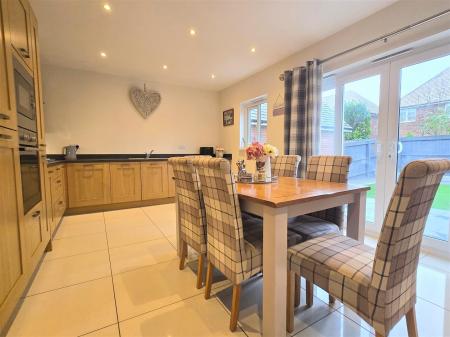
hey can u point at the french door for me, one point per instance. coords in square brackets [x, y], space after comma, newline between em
[386, 116]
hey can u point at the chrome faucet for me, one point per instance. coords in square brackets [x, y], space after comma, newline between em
[149, 154]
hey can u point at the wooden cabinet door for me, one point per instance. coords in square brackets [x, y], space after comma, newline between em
[34, 232]
[88, 184]
[170, 182]
[37, 81]
[154, 180]
[45, 190]
[11, 233]
[19, 22]
[7, 94]
[125, 182]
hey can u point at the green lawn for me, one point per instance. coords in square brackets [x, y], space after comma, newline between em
[442, 200]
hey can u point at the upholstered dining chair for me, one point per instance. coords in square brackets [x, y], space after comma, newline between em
[380, 285]
[323, 168]
[191, 210]
[285, 165]
[234, 241]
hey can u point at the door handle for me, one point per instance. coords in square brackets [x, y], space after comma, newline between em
[3, 136]
[36, 214]
[4, 117]
[24, 53]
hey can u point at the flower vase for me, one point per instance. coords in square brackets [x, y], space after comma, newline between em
[263, 170]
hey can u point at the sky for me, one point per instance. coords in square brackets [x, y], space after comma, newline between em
[411, 78]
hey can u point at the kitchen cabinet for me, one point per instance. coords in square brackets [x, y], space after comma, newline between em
[37, 81]
[35, 233]
[154, 180]
[125, 182]
[7, 95]
[45, 187]
[88, 184]
[20, 28]
[58, 197]
[171, 181]
[11, 232]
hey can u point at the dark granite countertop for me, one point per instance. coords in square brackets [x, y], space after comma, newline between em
[55, 159]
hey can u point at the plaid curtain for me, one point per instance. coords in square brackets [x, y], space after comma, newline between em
[302, 95]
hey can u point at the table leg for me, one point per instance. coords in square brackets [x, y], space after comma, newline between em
[274, 268]
[356, 217]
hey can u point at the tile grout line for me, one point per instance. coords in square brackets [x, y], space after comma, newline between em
[103, 327]
[112, 278]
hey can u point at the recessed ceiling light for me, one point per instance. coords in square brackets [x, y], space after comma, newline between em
[103, 54]
[192, 32]
[164, 67]
[253, 49]
[213, 76]
[107, 7]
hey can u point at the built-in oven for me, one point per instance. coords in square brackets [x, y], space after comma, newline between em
[31, 181]
[28, 143]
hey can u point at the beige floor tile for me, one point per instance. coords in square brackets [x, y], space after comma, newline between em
[250, 316]
[110, 331]
[80, 228]
[132, 235]
[433, 280]
[149, 288]
[67, 271]
[77, 245]
[163, 216]
[123, 213]
[334, 325]
[194, 317]
[140, 255]
[127, 223]
[71, 219]
[70, 311]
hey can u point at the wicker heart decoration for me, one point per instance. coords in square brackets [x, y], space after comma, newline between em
[145, 101]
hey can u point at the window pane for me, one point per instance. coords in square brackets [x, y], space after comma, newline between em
[425, 94]
[327, 122]
[263, 123]
[252, 124]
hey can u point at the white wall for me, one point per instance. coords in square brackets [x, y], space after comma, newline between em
[266, 82]
[94, 111]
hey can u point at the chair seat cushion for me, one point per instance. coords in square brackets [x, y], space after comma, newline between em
[336, 263]
[310, 227]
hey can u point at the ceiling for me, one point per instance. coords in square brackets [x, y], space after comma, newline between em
[139, 37]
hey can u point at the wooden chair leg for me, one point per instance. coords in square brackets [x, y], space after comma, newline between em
[297, 291]
[309, 293]
[290, 301]
[200, 271]
[235, 307]
[209, 275]
[183, 254]
[411, 323]
[331, 299]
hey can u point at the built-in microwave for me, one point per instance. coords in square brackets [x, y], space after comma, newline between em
[25, 100]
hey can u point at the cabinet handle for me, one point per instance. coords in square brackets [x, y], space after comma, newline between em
[36, 214]
[3, 136]
[58, 181]
[50, 171]
[5, 117]
[24, 53]
[61, 202]
[58, 168]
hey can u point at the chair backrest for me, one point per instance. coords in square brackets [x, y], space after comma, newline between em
[333, 169]
[191, 208]
[225, 235]
[285, 165]
[397, 254]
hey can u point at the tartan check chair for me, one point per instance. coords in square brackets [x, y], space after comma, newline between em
[285, 165]
[380, 285]
[234, 240]
[191, 210]
[323, 168]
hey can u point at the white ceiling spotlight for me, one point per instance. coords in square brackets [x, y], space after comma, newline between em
[165, 67]
[107, 7]
[213, 76]
[192, 32]
[103, 54]
[253, 49]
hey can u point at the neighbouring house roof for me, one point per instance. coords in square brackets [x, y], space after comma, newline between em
[327, 119]
[436, 89]
[354, 96]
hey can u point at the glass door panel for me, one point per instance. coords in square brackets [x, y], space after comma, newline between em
[424, 129]
[360, 107]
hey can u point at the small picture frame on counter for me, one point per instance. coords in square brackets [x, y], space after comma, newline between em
[228, 117]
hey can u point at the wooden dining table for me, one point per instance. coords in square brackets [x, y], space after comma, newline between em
[277, 202]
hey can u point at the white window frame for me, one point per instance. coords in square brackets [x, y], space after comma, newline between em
[245, 125]
[407, 111]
